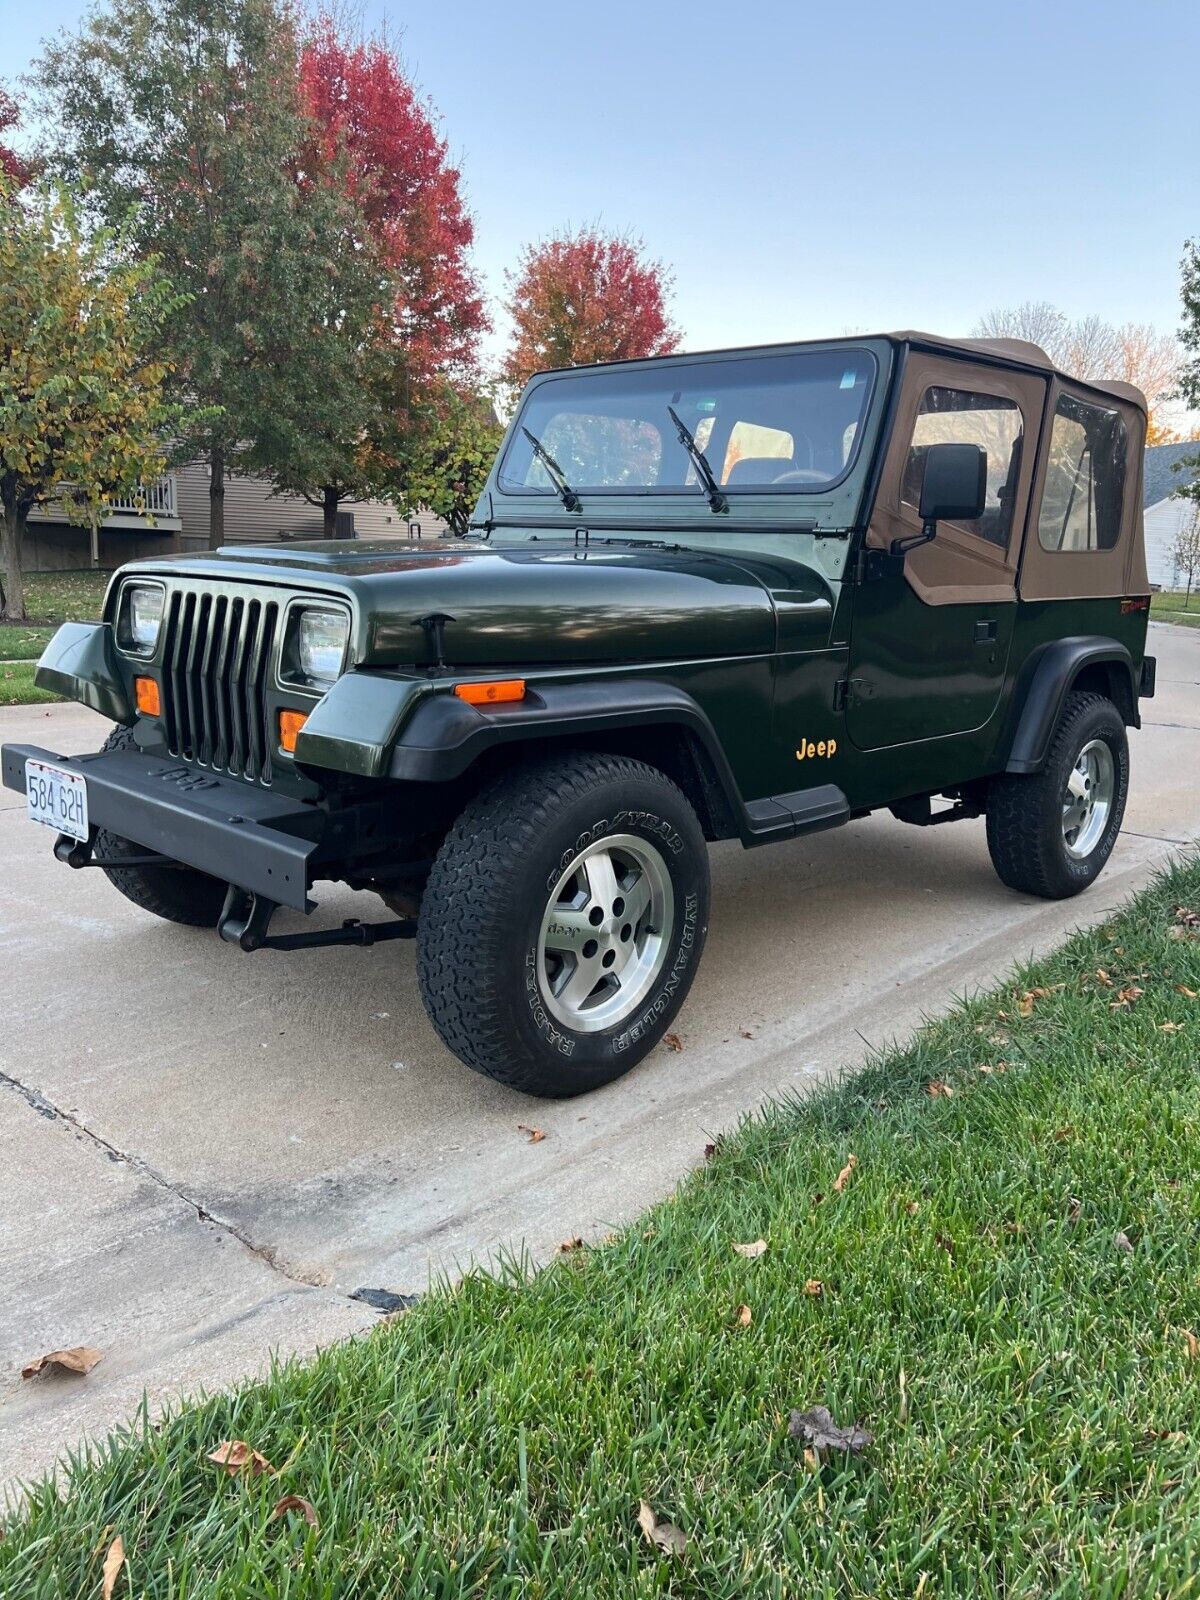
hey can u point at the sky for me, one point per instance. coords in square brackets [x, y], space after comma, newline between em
[813, 170]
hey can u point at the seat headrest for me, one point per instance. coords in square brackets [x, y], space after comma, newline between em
[759, 469]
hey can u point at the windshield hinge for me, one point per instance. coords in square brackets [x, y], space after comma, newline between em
[583, 538]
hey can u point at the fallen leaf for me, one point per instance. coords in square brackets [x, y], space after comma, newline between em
[1127, 997]
[823, 1433]
[385, 1299]
[1180, 933]
[945, 1241]
[843, 1177]
[1171, 1027]
[1103, 977]
[673, 1042]
[535, 1134]
[80, 1359]
[1064, 1133]
[1073, 1210]
[744, 1316]
[812, 1460]
[236, 1454]
[751, 1251]
[1025, 1005]
[1014, 1227]
[1193, 1344]
[114, 1560]
[574, 1243]
[938, 1090]
[295, 1502]
[1188, 994]
[1188, 917]
[666, 1538]
[1121, 1240]
[746, 1034]
[710, 1150]
[814, 1287]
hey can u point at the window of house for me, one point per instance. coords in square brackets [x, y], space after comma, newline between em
[1085, 478]
[962, 416]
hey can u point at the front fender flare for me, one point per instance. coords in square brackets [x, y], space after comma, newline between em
[80, 663]
[1044, 684]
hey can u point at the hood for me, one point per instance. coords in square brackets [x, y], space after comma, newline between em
[535, 602]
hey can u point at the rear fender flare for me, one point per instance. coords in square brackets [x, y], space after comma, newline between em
[1046, 680]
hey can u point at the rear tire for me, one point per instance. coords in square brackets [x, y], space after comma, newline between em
[1051, 832]
[177, 894]
[563, 921]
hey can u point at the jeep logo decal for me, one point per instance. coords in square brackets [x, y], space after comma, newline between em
[805, 750]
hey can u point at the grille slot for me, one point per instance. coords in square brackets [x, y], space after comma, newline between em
[217, 654]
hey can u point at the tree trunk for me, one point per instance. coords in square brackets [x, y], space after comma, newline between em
[12, 532]
[329, 507]
[216, 497]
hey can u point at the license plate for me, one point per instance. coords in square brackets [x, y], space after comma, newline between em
[57, 797]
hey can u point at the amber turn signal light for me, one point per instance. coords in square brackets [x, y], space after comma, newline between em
[290, 723]
[149, 701]
[490, 694]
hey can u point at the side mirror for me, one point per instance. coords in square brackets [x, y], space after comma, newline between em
[953, 489]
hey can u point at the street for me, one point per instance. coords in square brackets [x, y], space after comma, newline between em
[203, 1153]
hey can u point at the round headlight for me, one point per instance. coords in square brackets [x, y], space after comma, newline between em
[321, 644]
[143, 616]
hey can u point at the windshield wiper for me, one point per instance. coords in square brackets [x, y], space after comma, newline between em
[566, 494]
[707, 484]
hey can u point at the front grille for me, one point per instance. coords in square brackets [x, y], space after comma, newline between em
[217, 655]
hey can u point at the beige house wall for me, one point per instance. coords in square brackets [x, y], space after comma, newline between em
[253, 515]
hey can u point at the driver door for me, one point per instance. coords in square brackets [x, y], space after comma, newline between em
[929, 646]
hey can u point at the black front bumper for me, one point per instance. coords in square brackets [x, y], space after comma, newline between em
[262, 842]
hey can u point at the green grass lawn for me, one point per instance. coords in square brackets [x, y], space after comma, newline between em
[985, 1248]
[1170, 607]
[50, 598]
[17, 687]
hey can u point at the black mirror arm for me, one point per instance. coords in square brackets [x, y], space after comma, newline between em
[913, 541]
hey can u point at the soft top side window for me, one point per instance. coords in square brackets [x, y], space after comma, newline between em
[967, 416]
[1085, 478]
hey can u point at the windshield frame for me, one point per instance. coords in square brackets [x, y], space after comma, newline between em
[590, 493]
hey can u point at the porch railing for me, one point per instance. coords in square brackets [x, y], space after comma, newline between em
[151, 499]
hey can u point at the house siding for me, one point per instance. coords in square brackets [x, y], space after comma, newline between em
[253, 515]
[1164, 523]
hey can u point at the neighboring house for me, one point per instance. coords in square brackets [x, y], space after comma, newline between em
[175, 521]
[1166, 510]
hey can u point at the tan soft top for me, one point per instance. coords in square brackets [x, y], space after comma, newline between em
[1023, 352]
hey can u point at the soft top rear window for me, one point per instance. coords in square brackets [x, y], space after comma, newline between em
[779, 424]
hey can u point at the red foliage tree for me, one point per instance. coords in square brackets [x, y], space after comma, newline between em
[373, 135]
[11, 165]
[586, 296]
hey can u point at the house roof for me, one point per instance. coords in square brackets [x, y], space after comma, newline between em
[1160, 480]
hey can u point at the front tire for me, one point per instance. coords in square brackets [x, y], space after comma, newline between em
[177, 894]
[1051, 832]
[563, 921]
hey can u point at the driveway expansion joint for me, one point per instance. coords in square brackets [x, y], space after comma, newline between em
[54, 1113]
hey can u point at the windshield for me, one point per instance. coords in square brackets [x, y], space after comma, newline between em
[775, 424]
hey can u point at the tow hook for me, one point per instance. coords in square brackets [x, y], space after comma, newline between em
[246, 917]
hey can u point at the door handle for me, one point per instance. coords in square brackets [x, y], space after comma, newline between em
[985, 632]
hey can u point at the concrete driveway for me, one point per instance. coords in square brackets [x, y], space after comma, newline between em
[202, 1153]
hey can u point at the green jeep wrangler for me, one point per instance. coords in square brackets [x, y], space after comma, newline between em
[742, 595]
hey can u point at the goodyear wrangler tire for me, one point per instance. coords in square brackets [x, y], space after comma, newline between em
[563, 921]
[177, 894]
[1051, 832]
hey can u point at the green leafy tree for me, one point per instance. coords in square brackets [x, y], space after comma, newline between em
[187, 115]
[448, 458]
[82, 413]
[1189, 337]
